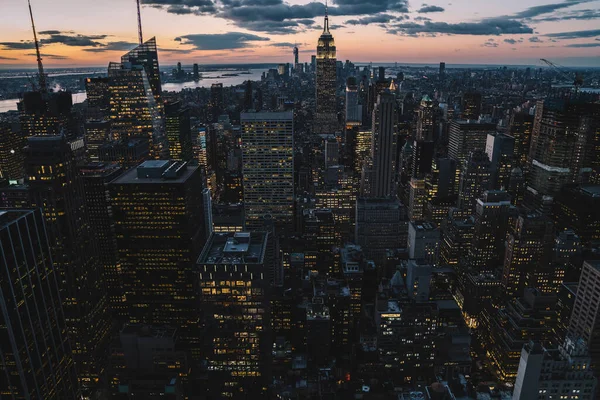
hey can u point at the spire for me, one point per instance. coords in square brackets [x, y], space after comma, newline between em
[141, 37]
[326, 24]
[42, 77]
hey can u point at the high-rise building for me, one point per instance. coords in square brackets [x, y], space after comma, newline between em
[56, 186]
[500, 150]
[381, 225]
[11, 154]
[383, 150]
[134, 113]
[442, 71]
[268, 168]
[35, 352]
[98, 96]
[179, 131]
[216, 105]
[426, 120]
[563, 373]
[578, 208]
[159, 227]
[527, 261]
[353, 109]
[474, 179]
[47, 114]
[423, 241]
[417, 199]
[466, 137]
[146, 55]
[520, 128]
[96, 177]
[97, 133]
[234, 288]
[471, 105]
[326, 81]
[585, 319]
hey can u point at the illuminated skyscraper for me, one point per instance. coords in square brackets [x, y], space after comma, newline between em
[98, 96]
[353, 109]
[134, 112]
[474, 179]
[35, 353]
[159, 229]
[56, 187]
[11, 154]
[47, 114]
[326, 81]
[426, 120]
[268, 168]
[234, 288]
[179, 131]
[97, 133]
[146, 55]
[466, 137]
[471, 105]
[520, 128]
[216, 105]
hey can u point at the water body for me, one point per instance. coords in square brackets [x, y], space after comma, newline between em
[210, 77]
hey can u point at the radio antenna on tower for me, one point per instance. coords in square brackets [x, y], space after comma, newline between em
[141, 37]
[42, 77]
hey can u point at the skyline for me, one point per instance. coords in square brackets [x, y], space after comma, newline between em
[251, 31]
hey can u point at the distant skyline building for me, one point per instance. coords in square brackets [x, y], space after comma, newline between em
[383, 150]
[178, 131]
[268, 167]
[353, 109]
[326, 81]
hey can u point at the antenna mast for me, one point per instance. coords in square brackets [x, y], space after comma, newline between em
[42, 77]
[141, 37]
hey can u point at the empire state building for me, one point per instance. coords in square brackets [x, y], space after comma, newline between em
[326, 82]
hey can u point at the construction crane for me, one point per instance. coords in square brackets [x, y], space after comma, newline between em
[577, 82]
[42, 77]
[141, 37]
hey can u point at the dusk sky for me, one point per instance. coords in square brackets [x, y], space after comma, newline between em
[94, 32]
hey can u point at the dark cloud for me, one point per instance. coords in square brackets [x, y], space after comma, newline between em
[510, 41]
[430, 9]
[23, 45]
[6, 58]
[51, 32]
[491, 26]
[222, 41]
[574, 34]
[283, 44]
[71, 39]
[583, 45]
[50, 56]
[420, 18]
[547, 8]
[182, 7]
[490, 43]
[112, 46]
[535, 39]
[587, 14]
[374, 19]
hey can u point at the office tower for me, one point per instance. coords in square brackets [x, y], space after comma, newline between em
[332, 153]
[426, 120]
[471, 105]
[268, 169]
[456, 238]
[567, 292]
[381, 225]
[208, 211]
[37, 360]
[520, 128]
[422, 158]
[353, 109]
[585, 319]
[527, 261]
[179, 131]
[362, 149]
[47, 114]
[55, 185]
[128, 153]
[466, 137]
[248, 96]
[492, 213]
[442, 71]
[500, 150]
[505, 331]
[159, 227]
[216, 105]
[11, 155]
[578, 208]
[234, 288]
[417, 199]
[147, 362]
[568, 252]
[146, 55]
[383, 149]
[296, 56]
[134, 113]
[474, 179]
[97, 133]
[546, 373]
[326, 81]
[98, 97]
[196, 72]
[423, 241]
[96, 177]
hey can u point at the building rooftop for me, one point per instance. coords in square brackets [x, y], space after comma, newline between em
[234, 248]
[157, 171]
[267, 116]
[8, 216]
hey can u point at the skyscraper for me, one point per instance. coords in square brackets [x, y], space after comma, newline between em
[234, 287]
[326, 81]
[146, 55]
[353, 109]
[426, 120]
[268, 168]
[159, 229]
[35, 353]
[216, 104]
[383, 150]
[474, 179]
[55, 185]
[466, 137]
[11, 155]
[471, 105]
[179, 131]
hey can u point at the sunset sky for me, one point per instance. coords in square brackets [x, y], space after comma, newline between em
[94, 32]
